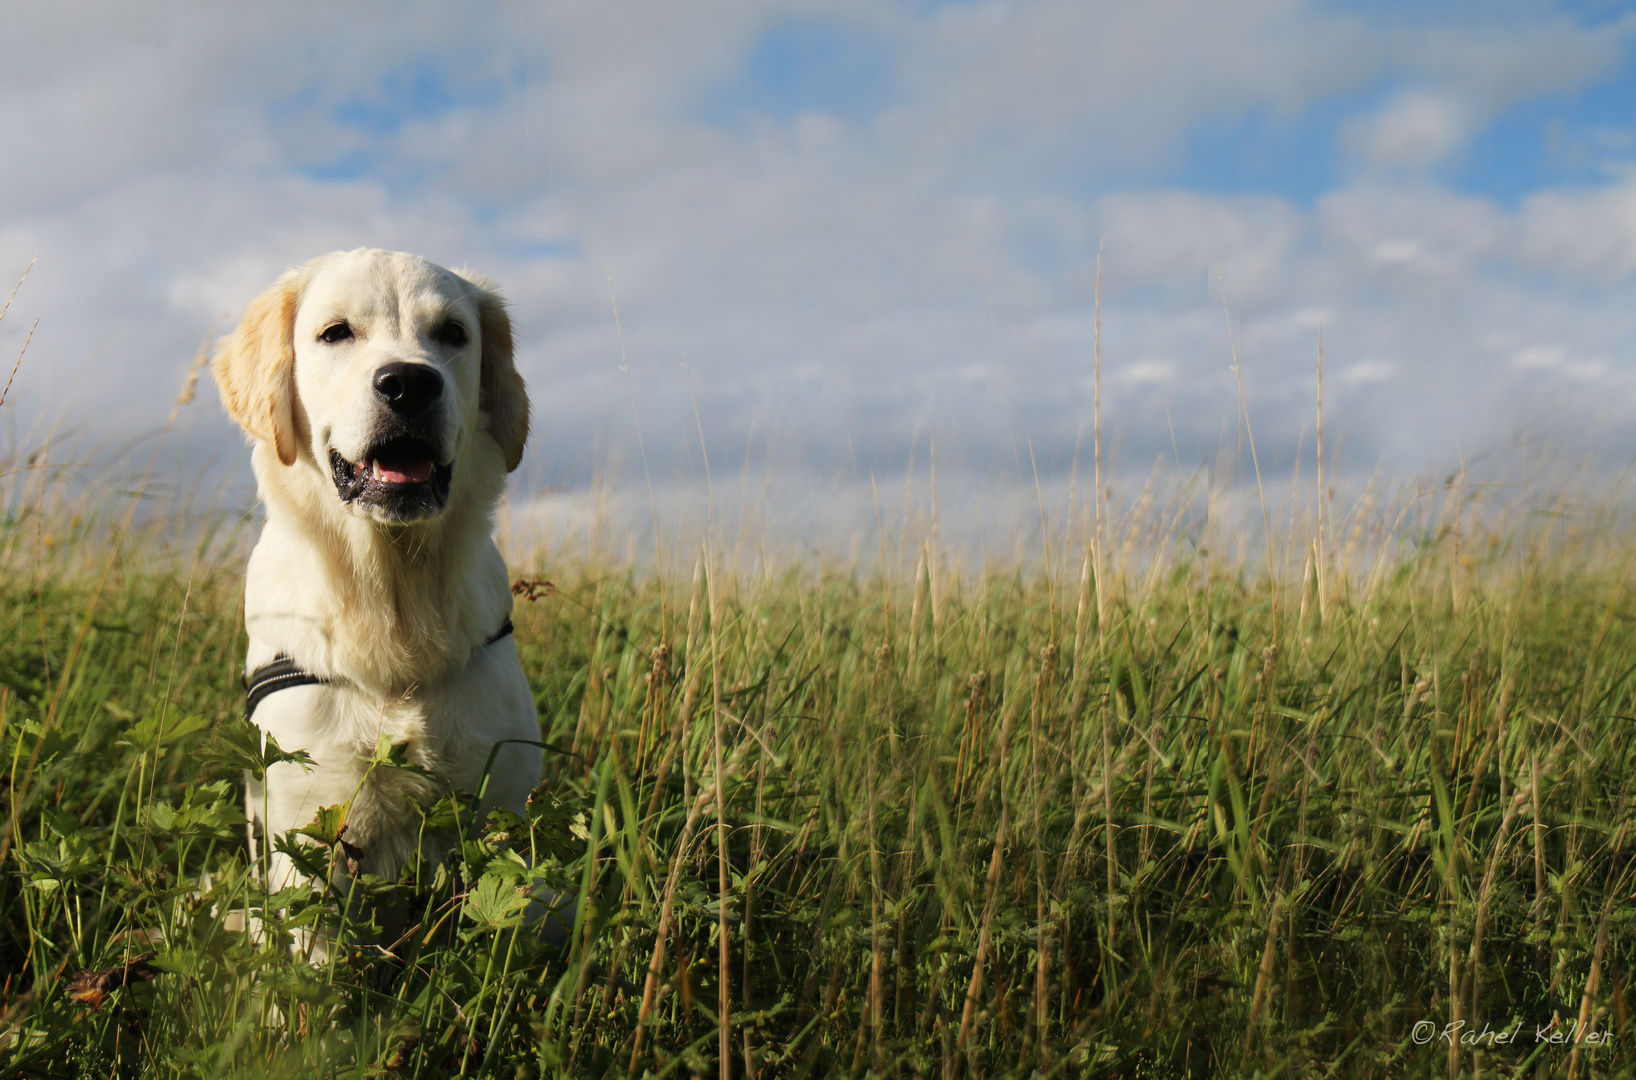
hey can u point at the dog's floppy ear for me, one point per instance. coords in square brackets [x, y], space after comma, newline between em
[504, 397]
[255, 366]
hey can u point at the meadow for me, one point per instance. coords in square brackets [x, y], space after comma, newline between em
[1151, 796]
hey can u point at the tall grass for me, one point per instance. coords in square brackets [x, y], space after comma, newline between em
[1200, 816]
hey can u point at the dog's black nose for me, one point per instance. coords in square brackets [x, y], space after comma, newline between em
[408, 389]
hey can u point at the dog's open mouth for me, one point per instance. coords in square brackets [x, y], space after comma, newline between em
[400, 476]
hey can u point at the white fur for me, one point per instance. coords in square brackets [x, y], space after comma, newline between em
[396, 615]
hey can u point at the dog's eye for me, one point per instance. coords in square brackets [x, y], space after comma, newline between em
[451, 334]
[334, 335]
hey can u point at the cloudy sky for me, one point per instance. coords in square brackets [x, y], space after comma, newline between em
[862, 224]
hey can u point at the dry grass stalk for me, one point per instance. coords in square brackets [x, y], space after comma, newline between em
[724, 999]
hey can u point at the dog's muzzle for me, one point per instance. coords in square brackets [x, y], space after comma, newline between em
[399, 476]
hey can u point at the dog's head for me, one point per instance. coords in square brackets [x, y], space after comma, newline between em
[377, 370]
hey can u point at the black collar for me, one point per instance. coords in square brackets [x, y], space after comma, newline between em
[284, 673]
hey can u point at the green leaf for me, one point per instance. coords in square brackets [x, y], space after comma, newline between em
[205, 813]
[242, 745]
[327, 825]
[155, 732]
[502, 825]
[445, 815]
[496, 903]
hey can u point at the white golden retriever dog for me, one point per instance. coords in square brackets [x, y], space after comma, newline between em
[379, 392]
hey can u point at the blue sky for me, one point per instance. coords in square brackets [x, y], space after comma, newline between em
[865, 222]
[813, 65]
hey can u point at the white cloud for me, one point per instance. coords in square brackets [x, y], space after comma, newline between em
[1588, 234]
[932, 265]
[1148, 371]
[1559, 360]
[1368, 371]
[1413, 231]
[1539, 358]
[1414, 131]
[1397, 252]
[1174, 236]
[1014, 86]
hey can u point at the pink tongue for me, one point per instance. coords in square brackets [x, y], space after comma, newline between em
[406, 472]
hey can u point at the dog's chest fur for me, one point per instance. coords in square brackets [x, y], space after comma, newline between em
[401, 634]
[445, 731]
